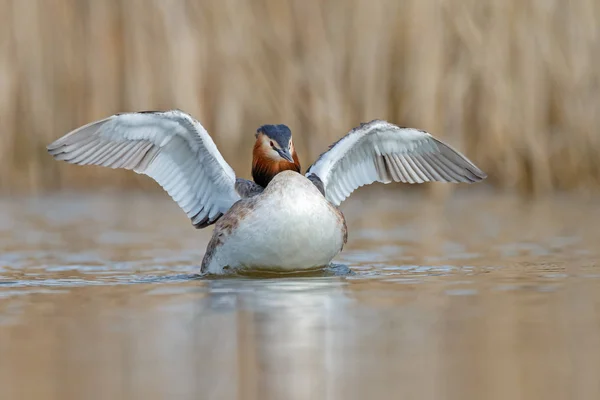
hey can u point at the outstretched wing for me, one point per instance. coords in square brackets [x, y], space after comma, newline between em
[382, 152]
[171, 147]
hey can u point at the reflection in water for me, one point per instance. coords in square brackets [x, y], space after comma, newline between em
[481, 297]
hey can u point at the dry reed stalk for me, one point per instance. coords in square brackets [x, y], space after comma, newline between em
[513, 83]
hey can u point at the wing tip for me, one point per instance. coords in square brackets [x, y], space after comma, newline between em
[205, 221]
[472, 172]
[54, 149]
[479, 174]
[60, 142]
[53, 146]
[78, 134]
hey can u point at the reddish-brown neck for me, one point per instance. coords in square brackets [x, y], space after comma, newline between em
[265, 168]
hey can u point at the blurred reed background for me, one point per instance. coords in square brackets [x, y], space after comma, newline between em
[512, 83]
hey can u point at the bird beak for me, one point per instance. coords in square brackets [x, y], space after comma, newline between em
[285, 154]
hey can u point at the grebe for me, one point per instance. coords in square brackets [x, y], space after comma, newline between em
[282, 220]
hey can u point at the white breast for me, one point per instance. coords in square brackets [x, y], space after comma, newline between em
[291, 227]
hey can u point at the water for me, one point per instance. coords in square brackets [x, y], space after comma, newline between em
[480, 297]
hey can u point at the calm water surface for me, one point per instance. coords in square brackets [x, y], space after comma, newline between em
[480, 296]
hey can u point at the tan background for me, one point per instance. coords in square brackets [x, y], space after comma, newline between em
[512, 83]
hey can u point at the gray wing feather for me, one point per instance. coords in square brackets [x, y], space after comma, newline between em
[171, 147]
[379, 151]
[246, 188]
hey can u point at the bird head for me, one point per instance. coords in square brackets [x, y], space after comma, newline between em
[273, 152]
[275, 142]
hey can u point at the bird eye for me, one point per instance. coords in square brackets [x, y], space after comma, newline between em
[272, 145]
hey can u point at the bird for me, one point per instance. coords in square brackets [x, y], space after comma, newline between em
[282, 220]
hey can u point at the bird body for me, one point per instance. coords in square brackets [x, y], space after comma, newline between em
[289, 226]
[282, 220]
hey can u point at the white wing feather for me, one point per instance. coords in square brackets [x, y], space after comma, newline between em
[171, 147]
[382, 152]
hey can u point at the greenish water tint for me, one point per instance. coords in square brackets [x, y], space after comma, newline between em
[480, 296]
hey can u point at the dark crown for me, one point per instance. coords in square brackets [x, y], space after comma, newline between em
[279, 133]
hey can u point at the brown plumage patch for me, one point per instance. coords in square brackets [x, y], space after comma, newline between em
[225, 226]
[294, 155]
[342, 220]
[345, 228]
